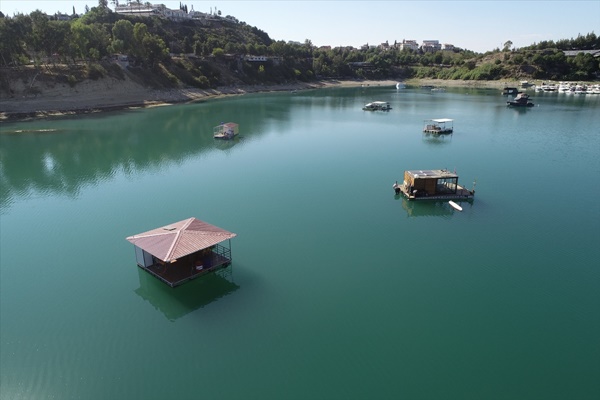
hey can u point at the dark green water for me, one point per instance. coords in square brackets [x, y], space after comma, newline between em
[338, 289]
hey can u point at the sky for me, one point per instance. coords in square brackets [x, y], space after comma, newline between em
[477, 25]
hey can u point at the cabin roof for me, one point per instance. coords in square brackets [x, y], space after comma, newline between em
[441, 120]
[170, 242]
[431, 174]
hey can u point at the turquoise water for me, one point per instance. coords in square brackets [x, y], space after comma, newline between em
[338, 288]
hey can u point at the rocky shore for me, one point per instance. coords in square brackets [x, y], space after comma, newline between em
[111, 94]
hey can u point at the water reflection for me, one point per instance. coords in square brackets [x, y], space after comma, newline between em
[227, 145]
[436, 140]
[61, 156]
[428, 208]
[176, 302]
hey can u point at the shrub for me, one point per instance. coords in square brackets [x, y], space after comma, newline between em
[96, 71]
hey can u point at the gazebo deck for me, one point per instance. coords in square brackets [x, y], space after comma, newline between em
[177, 273]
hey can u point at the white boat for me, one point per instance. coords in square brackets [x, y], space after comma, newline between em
[439, 126]
[594, 89]
[565, 87]
[400, 85]
[377, 106]
[546, 87]
[227, 130]
[580, 89]
[455, 206]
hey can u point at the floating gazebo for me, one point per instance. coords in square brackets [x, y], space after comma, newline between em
[182, 251]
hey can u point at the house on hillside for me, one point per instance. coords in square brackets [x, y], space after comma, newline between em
[574, 53]
[250, 58]
[365, 66]
[148, 10]
[408, 45]
[431, 46]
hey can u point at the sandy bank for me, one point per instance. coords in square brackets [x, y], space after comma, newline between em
[112, 94]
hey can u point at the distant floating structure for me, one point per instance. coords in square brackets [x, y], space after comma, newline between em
[226, 130]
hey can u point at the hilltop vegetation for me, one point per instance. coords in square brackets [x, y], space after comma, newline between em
[209, 53]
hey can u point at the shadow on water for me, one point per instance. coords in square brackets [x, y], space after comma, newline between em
[176, 302]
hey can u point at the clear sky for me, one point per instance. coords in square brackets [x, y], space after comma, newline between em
[478, 25]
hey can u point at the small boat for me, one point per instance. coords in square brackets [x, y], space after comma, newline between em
[433, 184]
[546, 87]
[377, 106]
[400, 85]
[455, 206]
[522, 100]
[439, 126]
[227, 130]
[526, 84]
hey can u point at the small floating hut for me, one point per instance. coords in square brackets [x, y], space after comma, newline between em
[436, 184]
[227, 130]
[439, 126]
[182, 251]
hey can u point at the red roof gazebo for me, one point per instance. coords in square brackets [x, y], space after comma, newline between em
[183, 250]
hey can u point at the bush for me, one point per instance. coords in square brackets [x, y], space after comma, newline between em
[96, 71]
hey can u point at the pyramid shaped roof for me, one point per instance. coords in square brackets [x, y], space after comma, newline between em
[179, 239]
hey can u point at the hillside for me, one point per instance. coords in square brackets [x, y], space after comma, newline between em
[102, 60]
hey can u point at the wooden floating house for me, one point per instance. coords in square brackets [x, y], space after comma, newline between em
[522, 100]
[436, 184]
[182, 251]
[439, 126]
[227, 130]
[377, 106]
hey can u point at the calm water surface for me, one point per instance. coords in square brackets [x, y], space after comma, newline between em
[338, 289]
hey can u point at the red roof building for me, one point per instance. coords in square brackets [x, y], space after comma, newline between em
[183, 250]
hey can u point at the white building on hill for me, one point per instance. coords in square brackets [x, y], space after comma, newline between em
[431, 46]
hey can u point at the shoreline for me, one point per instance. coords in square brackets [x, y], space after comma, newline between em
[112, 96]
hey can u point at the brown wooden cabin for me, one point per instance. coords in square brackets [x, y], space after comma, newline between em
[433, 184]
[183, 250]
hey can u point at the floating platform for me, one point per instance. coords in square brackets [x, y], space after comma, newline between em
[227, 130]
[433, 184]
[439, 126]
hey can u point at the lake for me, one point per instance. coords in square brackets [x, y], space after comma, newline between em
[339, 289]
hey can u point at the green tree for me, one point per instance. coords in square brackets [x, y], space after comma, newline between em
[122, 32]
[154, 50]
[81, 34]
[140, 30]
